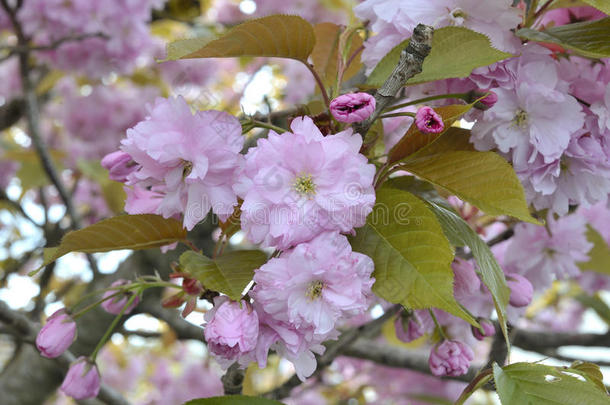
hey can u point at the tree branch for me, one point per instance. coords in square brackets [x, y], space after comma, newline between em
[28, 331]
[541, 341]
[410, 64]
[397, 357]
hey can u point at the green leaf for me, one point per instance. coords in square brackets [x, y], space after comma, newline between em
[233, 400]
[31, 173]
[588, 38]
[122, 232]
[455, 52]
[283, 36]
[596, 303]
[591, 372]
[483, 179]
[599, 255]
[228, 274]
[113, 192]
[414, 140]
[537, 384]
[325, 53]
[461, 234]
[603, 5]
[411, 254]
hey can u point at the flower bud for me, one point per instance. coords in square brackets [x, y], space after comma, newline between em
[57, 335]
[521, 290]
[115, 305]
[408, 327]
[488, 329]
[428, 121]
[119, 165]
[231, 329]
[352, 107]
[450, 358]
[82, 380]
[484, 104]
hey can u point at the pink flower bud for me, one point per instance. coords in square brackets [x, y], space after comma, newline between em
[119, 165]
[115, 305]
[82, 380]
[352, 107]
[521, 290]
[450, 358]
[408, 327]
[428, 121]
[231, 329]
[489, 101]
[488, 329]
[57, 335]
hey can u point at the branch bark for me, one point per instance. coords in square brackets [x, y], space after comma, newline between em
[410, 64]
[28, 331]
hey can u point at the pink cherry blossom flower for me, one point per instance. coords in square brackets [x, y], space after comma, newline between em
[316, 283]
[300, 296]
[428, 121]
[231, 329]
[192, 159]
[394, 20]
[56, 335]
[540, 256]
[300, 183]
[82, 380]
[352, 107]
[450, 358]
[116, 304]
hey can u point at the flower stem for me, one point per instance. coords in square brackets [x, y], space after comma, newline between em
[320, 84]
[261, 124]
[400, 114]
[462, 96]
[438, 326]
[112, 326]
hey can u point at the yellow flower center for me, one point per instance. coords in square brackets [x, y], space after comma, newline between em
[520, 118]
[314, 290]
[187, 168]
[304, 185]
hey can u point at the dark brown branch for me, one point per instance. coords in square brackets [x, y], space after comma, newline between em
[410, 64]
[28, 331]
[233, 379]
[397, 357]
[541, 341]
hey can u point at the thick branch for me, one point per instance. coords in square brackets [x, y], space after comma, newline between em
[28, 331]
[396, 357]
[410, 64]
[541, 341]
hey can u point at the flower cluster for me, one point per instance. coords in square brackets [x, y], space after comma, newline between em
[113, 34]
[300, 191]
[184, 164]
